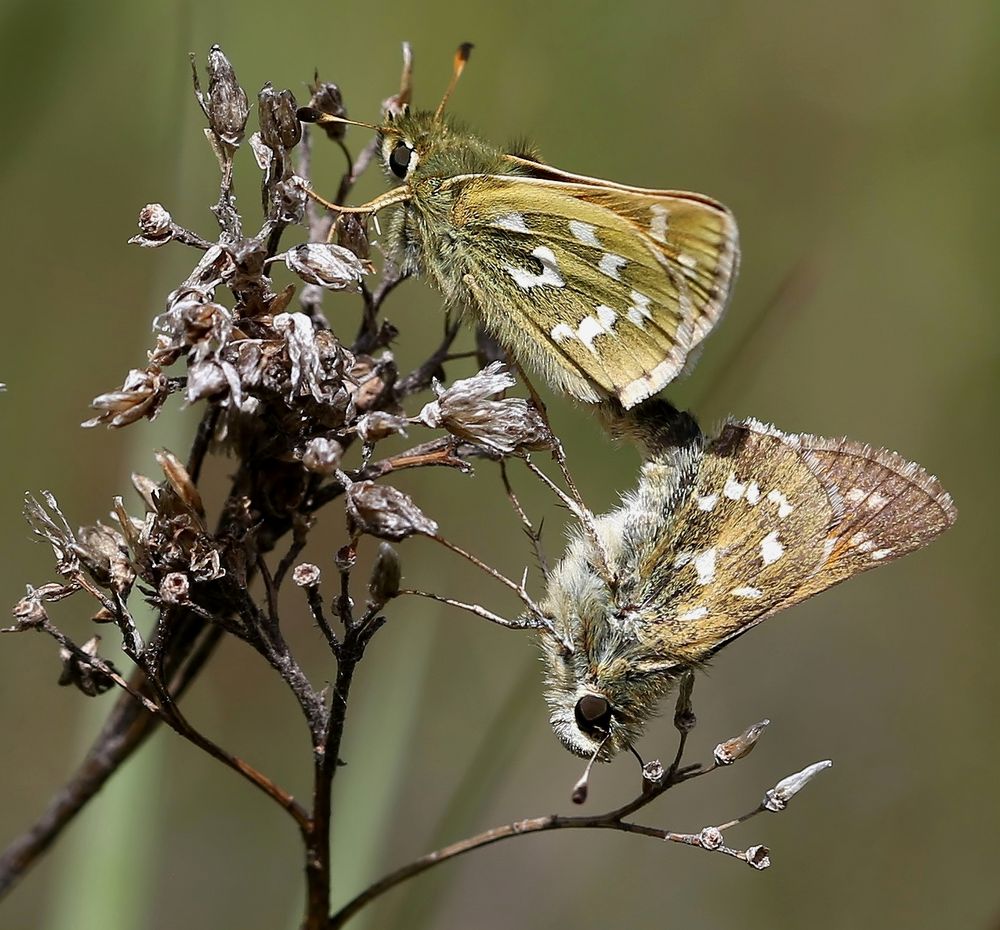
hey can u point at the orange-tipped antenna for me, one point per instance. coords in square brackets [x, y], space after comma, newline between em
[312, 115]
[461, 57]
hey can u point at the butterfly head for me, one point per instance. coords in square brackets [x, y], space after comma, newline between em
[602, 682]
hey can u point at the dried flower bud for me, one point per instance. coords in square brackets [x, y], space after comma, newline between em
[777, 798]
[384, 512]
[280, 129]
[758, 857]
[684, 718]
[175, 588]
[142, 395]
[386, 575]
[328, 265]
[29, 611]
[225, 104]
[155, 227]
[179, 479]
[289, 199]
[80, 673]
[52, 526]
[380, 425]
[103, 615]
[739, 746]
[306, 575]
[327, 99]
[653, 772]
[711, 838]
[322, 455]
[467, 410]
[345, 558]
[352, 233]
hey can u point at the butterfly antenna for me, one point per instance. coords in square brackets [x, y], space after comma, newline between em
[581, 788]
[458, 66]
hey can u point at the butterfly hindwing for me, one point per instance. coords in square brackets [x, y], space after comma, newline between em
[616, 287]
[768, 519]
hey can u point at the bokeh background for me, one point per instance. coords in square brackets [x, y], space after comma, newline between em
[858, 145]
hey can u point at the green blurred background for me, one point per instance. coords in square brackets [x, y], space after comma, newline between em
[858, 145]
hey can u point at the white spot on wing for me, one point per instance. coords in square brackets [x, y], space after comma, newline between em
[607, 317]
[770, 549]
[590, 328]
[876, 501]
[636, 317]
[704, 565]
[610, 264]
[880, 554]
[561, 332]
[512, 221]
[688, 261]
[733, 489]
[682, 558]
[753, 493]
[658, 224]
[707, 502]
[854, 496]
[746, 591]
[696, 614]
[784, 508]
[549, 275]
[584, 233]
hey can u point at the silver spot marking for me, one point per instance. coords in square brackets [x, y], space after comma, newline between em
[707, 502]
[880, 554]
[610, 265]
[784, 508]
[704, 565]
[561, 332]
[696, 614]
[585, 233]
[526, 280]
[658, 224]
[589, 329]
[746, 592]
[770, 549]
[607, 316]
[876, 500]
[753, 493]
[634, 316]
[733, 489]
[512, 221]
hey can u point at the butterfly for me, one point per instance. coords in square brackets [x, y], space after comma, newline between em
[605, 289]
[719, 535]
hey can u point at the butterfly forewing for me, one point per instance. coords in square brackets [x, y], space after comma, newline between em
[769, 519]
[618, 286]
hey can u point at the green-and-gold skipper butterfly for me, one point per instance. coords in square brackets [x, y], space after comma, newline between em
[604, 289]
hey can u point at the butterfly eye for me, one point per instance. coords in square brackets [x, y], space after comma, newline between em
[593, 714]
[399, 159]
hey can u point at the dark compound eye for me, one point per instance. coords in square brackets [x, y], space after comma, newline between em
[399, 159]
[593, 714]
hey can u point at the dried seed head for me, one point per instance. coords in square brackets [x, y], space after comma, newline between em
[81, 674]
[653, 772]
[345, 558]
[468, 410]
[710, 838]
[326, 98]
[322, 456]
[280, 129]
[777, 798]
[179, 479]
[352, 233]
[142, 395]
[384, 512]
[175, 588]
[739, 746]
[386, 575]
[155, 227]
[380, 425]
[306, 575]
[758, 857]
[29, 611]
[328, 265]
[225, 104]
